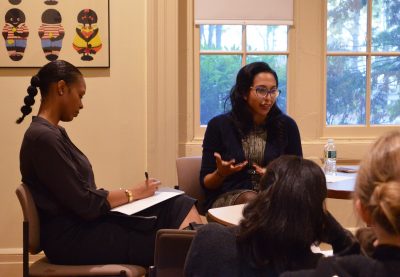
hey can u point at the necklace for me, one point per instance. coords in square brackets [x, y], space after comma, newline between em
[254, 147]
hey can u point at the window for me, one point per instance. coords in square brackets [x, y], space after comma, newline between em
[363, 62]
[224, 49]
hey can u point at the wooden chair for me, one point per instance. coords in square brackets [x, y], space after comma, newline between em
[188, 169]
[42, 267]
[170, 252]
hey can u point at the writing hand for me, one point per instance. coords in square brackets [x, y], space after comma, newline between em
[145, 189]
[260, 170]
[226, 168]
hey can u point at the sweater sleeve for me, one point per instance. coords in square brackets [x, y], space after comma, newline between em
[294, 142]
[212, 253]
[354, 265]
[211, 144]
[69, 181]
[343, 242]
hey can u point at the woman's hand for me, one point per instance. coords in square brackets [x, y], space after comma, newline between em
[226, 168]
[260, 170]
[216, 178]
[145, 189]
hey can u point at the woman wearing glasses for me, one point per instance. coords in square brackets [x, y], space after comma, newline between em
[239, 144]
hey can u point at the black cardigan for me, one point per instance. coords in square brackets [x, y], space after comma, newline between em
[223, 136]
[385, 262]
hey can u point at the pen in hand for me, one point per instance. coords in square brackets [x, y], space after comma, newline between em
[147, 178]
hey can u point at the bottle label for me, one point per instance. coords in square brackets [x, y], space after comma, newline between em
[331, 154]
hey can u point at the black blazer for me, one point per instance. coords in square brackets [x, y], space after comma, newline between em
[223, 136]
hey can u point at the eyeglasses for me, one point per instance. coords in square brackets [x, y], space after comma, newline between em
[262, 92]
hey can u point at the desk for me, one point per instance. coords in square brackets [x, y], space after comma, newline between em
[342, 189]
[228, 216]
[231, 215]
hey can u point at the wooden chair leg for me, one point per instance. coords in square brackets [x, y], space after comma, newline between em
[25, 251]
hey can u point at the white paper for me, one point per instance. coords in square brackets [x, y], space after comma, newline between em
[316, 249]
[337, 178]
[160, 195]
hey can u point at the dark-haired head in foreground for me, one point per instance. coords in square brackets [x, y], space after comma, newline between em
[287, 216]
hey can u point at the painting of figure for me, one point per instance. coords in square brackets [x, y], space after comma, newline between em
[87, 40]
[51, 33]
[15, 34]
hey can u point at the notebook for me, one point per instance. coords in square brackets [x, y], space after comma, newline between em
[160, 195]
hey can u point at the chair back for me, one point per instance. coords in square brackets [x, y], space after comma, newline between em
[188, 170]
[30, 216]
[42, 267]
[170, 253]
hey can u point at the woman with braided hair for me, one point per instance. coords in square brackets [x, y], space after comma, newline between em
[377, 201]
[76, 224]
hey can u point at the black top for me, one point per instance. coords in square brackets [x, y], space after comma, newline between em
[56, 172]
[214, 252]
[76, 224]
[385, 262]
[223, 136]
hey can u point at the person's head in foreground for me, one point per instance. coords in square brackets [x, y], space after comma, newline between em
[287, 217]
[377, 191]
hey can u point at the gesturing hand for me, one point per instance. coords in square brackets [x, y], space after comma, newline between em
[226, 168]
[260, 170]
[145, 189]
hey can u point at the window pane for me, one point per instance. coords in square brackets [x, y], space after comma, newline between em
[385, 86]
[279, 64]
[347, 25]
[221, 37]
[266, 38]
[345, 101]
[385, 25]
[217, 76]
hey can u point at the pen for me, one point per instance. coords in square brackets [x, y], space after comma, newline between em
[146, 175]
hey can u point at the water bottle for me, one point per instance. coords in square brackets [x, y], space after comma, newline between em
[330, 158]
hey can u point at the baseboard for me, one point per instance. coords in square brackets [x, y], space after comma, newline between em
[10, 251]
[11, 261]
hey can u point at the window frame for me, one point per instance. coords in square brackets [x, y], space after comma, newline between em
[199, 129]
[306, 81]
[368, 130]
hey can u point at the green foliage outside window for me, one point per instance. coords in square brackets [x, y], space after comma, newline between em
[218, 70]
[346, 75]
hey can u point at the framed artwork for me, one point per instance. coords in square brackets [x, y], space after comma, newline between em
[35, 32]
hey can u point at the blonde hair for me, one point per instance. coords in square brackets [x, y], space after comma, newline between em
[378, 182]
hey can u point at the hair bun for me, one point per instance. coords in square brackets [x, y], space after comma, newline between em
[35, 81]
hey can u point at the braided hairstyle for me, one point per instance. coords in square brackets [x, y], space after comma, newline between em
[378, 182]
[50, 73]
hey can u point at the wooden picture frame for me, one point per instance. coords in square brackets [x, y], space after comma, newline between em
[35, 32]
